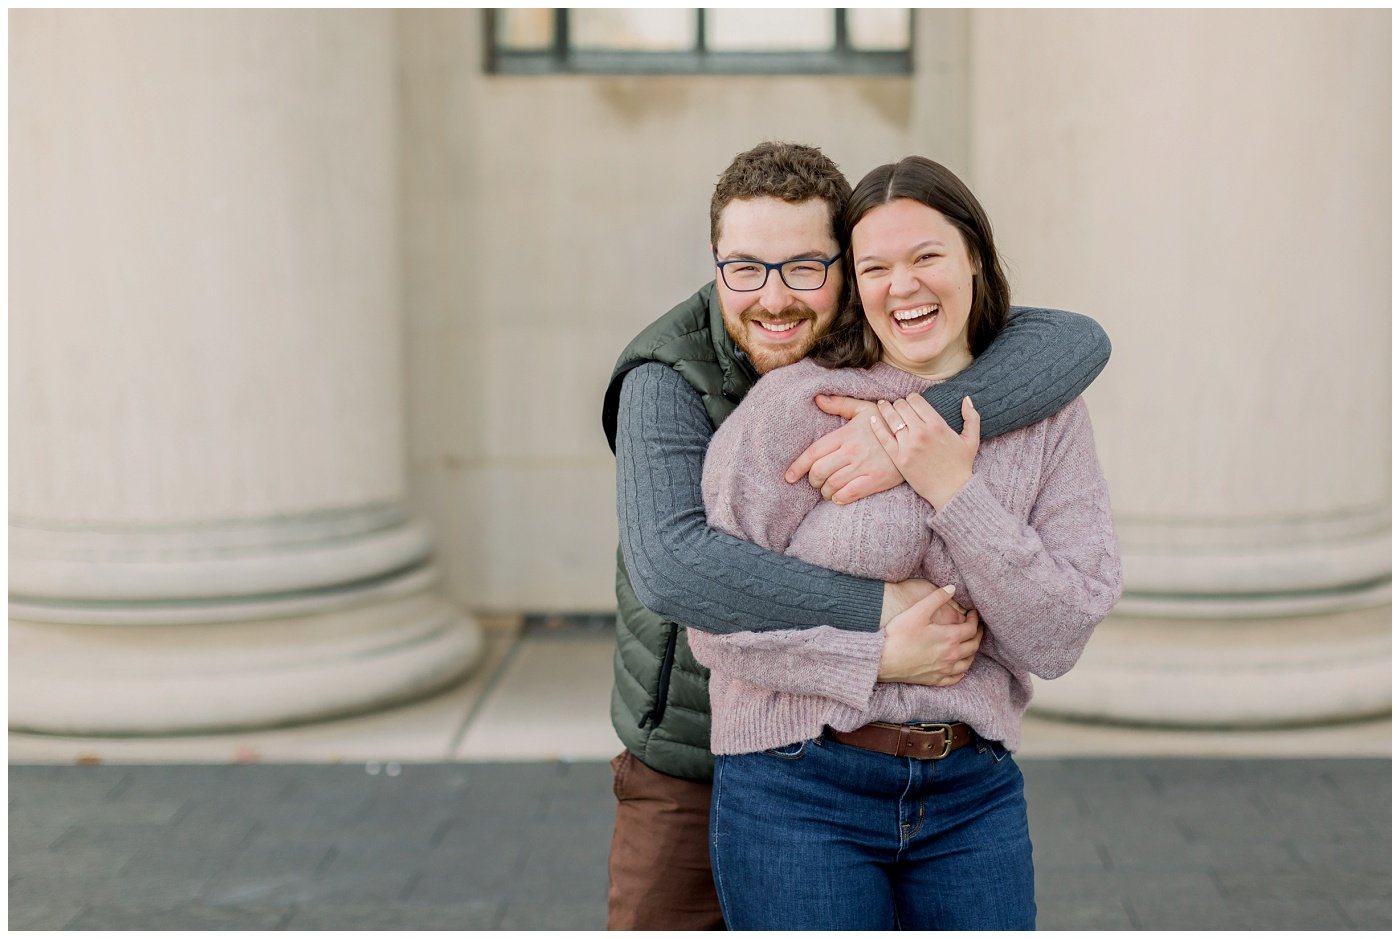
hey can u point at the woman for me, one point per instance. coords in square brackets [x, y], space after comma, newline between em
[840, 803]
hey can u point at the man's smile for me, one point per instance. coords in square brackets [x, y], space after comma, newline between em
[779, 329]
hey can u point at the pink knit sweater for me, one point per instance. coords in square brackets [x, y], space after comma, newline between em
[1028, 542]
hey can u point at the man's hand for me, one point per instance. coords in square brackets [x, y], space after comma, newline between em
[849, 463]
[920, 650]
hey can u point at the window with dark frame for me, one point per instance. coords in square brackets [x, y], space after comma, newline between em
[699, 41]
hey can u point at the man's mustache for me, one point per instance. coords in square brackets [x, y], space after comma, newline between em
[785, 315]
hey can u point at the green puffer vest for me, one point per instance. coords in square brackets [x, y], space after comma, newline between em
[661, 699]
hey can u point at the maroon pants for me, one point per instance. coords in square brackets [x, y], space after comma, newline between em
[659, 867]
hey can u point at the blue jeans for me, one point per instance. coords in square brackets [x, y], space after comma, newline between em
[820, 835]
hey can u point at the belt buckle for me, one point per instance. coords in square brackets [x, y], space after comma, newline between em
[947, 729]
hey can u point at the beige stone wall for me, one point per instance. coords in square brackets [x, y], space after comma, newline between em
[549, 218]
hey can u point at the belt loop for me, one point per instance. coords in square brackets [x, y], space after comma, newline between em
[904, 748]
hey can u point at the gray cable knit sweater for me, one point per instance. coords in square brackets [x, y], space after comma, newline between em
[1028, 542]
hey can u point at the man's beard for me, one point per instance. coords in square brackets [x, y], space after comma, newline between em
[766, 358]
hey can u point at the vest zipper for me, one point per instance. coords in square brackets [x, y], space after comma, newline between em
[663, 684]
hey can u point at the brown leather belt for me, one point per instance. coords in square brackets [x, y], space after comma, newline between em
[925, 741]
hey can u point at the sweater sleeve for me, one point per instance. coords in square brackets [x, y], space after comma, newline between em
[1042, 586]
[685, 570]
[829, 663]
[1042, 361]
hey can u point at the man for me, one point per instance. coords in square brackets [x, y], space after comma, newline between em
[779, 205]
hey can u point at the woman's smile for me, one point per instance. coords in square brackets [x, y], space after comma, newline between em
[911, 321]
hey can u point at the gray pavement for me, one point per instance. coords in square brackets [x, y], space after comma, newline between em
[1119, 844]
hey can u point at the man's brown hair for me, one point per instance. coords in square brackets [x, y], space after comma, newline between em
[791, 172]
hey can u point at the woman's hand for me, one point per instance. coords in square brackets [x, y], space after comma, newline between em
[934, 460]
[900, 596]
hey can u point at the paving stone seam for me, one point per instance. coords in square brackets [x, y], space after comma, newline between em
[123, 784]
[82, 911]
[439, 833]
[500, 916]
[497, 677]
[406, 890]
[57, 843]
[185, 808]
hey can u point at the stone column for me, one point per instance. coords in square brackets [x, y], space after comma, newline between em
[206, 411]
[1214, 187]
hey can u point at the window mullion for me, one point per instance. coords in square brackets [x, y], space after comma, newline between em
[492, 44]
[843, 42]
[561, 39]
[701, 43]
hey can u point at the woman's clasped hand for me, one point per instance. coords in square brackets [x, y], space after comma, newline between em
[934, 460]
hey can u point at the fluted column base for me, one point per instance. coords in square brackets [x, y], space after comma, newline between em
[221, 628]
[106, 680]
[1226, 673]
